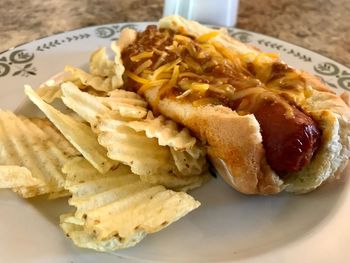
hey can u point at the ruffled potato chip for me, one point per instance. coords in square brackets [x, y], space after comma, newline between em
[166, 131]
[32, 155]
[93, 108]
[132, 148]
[78, 134]
[96, 82]
[143, 144]
[100, 64]
[116, 210]
[86, 240]
[12, 176]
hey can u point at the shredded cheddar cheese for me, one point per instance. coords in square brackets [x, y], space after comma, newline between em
[197, 68]
[143, 66]
[207, 36]
[193, 64]
[141, 56]
[165, 68]
[173, 80]
[136, 78]
[199, 87]
[151, 84]
[182, 38]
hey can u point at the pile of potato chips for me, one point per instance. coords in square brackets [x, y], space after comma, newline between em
[127, 172]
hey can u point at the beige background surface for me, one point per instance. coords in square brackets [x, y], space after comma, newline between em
[319, 25]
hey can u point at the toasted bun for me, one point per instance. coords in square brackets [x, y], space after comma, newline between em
[234, 142]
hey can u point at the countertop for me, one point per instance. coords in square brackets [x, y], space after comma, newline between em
[320, 25]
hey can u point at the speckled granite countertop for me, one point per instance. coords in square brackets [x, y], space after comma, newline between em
[319, 25]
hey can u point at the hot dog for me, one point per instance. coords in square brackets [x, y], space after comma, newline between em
[268, 127]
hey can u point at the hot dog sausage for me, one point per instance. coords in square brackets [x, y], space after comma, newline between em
[289, 141]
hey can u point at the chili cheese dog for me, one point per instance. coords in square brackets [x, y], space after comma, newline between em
[268, 127]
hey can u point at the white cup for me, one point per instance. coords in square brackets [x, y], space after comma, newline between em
[215, 12]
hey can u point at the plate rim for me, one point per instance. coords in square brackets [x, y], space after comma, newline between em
[150, 22]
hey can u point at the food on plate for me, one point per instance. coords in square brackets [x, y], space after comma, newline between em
[265, 126]
[156, 149]
[77, 133]
[116, 209]
[118, 206]
[32, 155]
[127, 171]
[14, 176]
[103, 74]
[268, 126]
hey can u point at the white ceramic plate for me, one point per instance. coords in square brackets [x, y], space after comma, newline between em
[228, 227]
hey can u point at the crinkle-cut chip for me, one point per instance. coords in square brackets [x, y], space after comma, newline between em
[127, 97]
[126, 110]
[78, 134]
[187, 165]
[91, 90]
[151, 210]
[166, 131]
[35, 145]
[128, 104]
[55, 135]
[144, 155]
[168, 134]
[51, 90]
[49, 93]
[100, 64]
[127, 36]
[85, 105]
[29, 192]
[12, 176]
[197, 151]
[93, 109]
[154, 163]
[96, 82]
[126, 208]
[76, 117]
[56, 195]
[120, 148]
[188, 155]
[85, 240]
[80, 171]
[177, 183]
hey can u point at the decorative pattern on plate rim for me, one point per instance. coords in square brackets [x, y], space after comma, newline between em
[330, 69]
[247, 37]
[17, 63]
[112, 30]
[57, 42]
[280, 47]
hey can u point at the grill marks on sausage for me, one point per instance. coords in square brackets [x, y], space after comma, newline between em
[290, 137]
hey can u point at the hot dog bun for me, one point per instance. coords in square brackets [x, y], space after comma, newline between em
[222, 130]
[235, 143]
